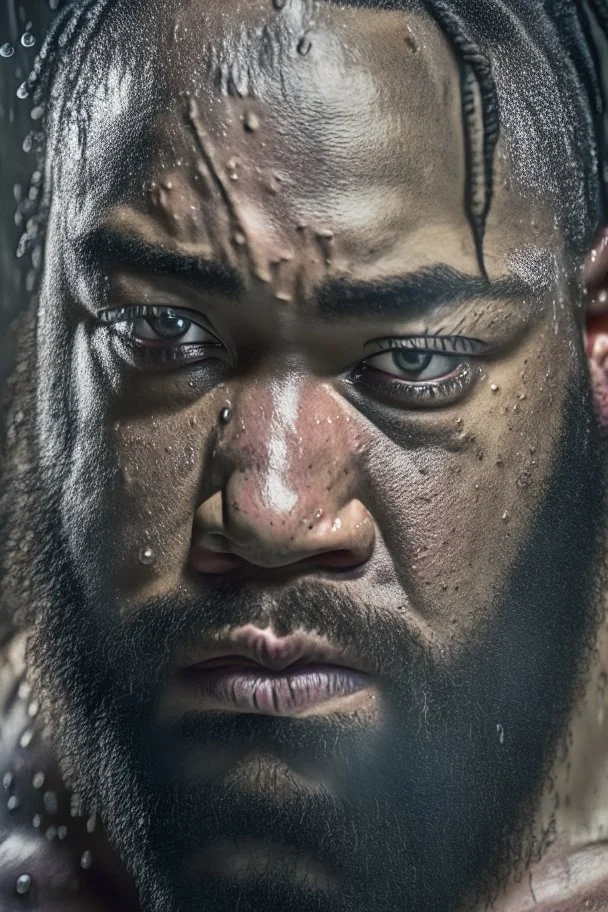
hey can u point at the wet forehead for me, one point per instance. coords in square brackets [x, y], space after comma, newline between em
[368, 115]
[349, 120]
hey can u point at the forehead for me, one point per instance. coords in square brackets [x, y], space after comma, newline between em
[349, 118]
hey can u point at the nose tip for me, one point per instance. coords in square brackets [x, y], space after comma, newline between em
[224, 541]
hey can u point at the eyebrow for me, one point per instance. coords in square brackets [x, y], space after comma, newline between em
[110, 247]
[412, 295]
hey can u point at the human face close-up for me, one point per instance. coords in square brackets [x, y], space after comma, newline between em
[303, 465]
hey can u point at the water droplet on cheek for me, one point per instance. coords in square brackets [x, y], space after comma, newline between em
[147, 556]
[7, 50]
[28, 40]
[22, 92]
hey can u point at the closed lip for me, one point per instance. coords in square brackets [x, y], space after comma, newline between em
[265, 650]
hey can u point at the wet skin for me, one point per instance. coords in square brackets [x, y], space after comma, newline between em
[298, 219]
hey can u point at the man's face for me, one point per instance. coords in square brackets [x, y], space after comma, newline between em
[393, 482]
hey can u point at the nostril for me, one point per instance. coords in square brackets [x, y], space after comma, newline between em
[339, 559]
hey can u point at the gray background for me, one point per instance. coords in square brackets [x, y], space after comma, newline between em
[16, 166]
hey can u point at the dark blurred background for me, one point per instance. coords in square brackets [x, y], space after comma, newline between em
[16, 166]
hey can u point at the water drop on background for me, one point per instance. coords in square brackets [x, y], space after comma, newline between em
[7, 50]
[86, 860]
[24, 882]
[28, 40]
[22, 91]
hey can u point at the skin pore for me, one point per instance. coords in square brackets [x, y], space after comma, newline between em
[271, 187]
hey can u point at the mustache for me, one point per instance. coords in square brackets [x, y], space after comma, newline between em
[388, 639]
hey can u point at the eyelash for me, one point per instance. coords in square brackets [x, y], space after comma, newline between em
[431, 392]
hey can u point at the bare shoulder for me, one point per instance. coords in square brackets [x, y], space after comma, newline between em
[51, 854]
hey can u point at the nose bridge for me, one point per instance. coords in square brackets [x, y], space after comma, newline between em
[290, 442]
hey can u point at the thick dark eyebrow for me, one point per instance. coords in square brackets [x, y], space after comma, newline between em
[109, 248]
[413, 295]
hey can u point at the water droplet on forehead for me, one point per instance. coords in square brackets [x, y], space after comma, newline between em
[147, 555]
[304, 46]
[24, 882]
[28, 40]
[251, 122]
[7, 50]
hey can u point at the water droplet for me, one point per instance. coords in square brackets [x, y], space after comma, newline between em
[28, 40]
[75, 805]
[86, 860]
[7, 50]
[8, 780]
[505, 517]
[226, 415]
[38, 780]
[147, 556]
[22, 91]
[13, 803]
[36, 821]
[24, 691]
[494, 387]
[51, 805]
[26, 738]
[33, 709]
[24, 882]
[239, 238]
[251, 122]
[501, 733]
[51, 833]
[92, 823]
[62, 832]
[304, 46]
[337, 525]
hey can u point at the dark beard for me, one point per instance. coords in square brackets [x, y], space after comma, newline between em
[432, 807]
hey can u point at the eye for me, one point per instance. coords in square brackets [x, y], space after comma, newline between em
[164, 334]
[415, 365]
[421, 372]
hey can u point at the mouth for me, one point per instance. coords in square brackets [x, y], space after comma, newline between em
[254, 671]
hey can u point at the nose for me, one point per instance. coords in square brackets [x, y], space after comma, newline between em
[284, 479]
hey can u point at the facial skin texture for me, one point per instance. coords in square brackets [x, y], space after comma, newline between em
[470, 521]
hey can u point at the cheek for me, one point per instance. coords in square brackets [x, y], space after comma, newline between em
[130, 489]
[460, 505]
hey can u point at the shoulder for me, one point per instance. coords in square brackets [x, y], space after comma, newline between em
[49, 851]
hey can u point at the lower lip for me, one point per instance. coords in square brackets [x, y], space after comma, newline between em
[285, 693]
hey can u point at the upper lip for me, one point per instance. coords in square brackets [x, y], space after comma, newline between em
[273, 652]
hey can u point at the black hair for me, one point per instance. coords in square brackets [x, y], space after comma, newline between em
[560, 79]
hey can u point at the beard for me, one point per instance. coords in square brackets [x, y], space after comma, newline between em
[429, 810]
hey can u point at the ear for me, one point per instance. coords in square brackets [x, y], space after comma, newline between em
[595, 276]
